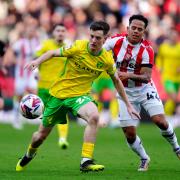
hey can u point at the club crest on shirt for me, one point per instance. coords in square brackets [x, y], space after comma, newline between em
[99, 64]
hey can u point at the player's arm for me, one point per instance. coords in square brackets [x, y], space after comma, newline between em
[8, 60]
[9, 57]
[120, 89]
[146, 68]
[144, 76]
[49, 54]
[62, 52]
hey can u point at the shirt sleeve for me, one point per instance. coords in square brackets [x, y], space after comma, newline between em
[108, 44]
[148, 57]
[111, 65]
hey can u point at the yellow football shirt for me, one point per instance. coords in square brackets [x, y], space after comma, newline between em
[81, 69]
[168, 60]
[51, 69]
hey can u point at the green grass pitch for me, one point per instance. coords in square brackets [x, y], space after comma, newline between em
[111, 150]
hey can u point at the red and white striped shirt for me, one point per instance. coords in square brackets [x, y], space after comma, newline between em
[24, 50]
[130, 58]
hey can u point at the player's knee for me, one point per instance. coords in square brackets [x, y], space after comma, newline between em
[130, 137]
[160, 121]
[130, 134]
[94, 119]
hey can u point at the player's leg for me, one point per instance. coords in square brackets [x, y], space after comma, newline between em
[134, 142]
[63, 134]
[114, 109]
[49, 120]
[106, 91]
[37, 139]
[105, 115]
[153, 105]
[172, 91]
[62, 128]
[88, 111]
[167, 132]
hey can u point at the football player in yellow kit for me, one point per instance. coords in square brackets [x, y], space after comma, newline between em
[168, 61]
[48, 75]
[86, 60]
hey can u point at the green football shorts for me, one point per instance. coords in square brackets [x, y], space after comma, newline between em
[44, 95]
[171, 87]
[56, 109]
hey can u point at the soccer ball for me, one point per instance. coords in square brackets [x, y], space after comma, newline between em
[31, 106]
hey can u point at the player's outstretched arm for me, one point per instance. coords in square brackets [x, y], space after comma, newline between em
[35, 63]
[120, 88]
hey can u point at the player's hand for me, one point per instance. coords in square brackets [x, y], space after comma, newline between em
[123, 75]
[134, 114]
[103, 123]
[31, 66]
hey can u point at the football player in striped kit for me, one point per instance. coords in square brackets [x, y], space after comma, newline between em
[134, 59]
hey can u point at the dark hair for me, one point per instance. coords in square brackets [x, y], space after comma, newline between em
[58, 24]
[139, 17]
[100, 25]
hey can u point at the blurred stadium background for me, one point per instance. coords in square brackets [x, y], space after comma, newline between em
[16, 15]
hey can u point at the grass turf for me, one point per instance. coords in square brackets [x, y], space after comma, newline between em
[111, 150]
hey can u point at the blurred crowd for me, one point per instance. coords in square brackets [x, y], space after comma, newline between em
[35, 18]
[76, 15]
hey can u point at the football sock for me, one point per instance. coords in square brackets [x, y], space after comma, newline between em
[170, 136]
[31, 151]
[114, 109]
[138, 148]
[84, 160]
[87, 150]
[62, 130]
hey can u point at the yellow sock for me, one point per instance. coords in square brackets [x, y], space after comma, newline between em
[63, 130]
[114, 108]
[169, 107]
[100, 106]
[87, 150]
[31, 151]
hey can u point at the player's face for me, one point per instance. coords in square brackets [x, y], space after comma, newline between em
[59, 33]
[136, 31]
[97, 39]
